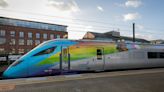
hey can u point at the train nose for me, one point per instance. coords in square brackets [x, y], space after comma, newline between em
[15, 72]
[7, 74]
[10, 73]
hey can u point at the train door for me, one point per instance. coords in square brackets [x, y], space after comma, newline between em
[99, 61]
[64, 59]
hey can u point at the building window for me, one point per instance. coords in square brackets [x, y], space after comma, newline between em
[27, 50]
[21, 42]
[44, 36]
[2, 40]
[12, 51]
[37, 35]
[12, 42]
[37, 42]
[29, 42]
[2, 32]
[12, 33]
[58, 36]
[20, 51]
[21, 34]
[52, 36]
[2, 50]
[29, 35]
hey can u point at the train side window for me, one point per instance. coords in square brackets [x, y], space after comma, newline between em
[161, 55]
[99, 54]
[152, 55]
[47, 51]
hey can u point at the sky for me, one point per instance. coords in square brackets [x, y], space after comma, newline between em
[92, 15]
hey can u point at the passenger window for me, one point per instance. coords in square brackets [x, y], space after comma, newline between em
[99, 54]
[47, 51]
[152, 55]
[162, 55]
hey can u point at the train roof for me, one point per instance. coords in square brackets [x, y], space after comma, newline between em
[102, 41]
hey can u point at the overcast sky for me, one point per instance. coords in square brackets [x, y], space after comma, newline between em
[92, 15]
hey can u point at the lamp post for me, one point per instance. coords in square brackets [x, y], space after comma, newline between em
[133, 32]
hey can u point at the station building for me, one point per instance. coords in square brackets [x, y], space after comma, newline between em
[112, 36]
[20, 36]
[159, 41]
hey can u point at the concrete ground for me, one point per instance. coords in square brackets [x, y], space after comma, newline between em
[147, 80]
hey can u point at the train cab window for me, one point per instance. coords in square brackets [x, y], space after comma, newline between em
[17, 62]
[99, 54]
[47, 51]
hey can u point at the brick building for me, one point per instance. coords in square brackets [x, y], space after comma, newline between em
[19, 36]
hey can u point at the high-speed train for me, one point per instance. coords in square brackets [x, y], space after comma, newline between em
[56, 56]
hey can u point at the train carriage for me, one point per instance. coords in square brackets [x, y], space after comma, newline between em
[62, 56]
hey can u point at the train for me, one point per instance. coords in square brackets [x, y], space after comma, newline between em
[62, 55]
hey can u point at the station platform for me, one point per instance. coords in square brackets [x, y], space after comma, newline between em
[145, 80]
